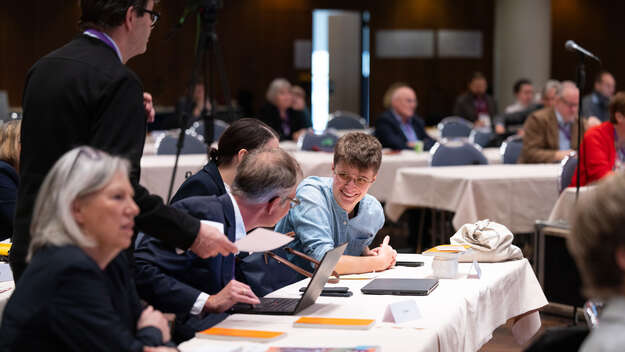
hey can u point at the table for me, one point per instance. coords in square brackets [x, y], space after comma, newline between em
[564, 209]
[459, 315]
[156, 169]
[514, 195]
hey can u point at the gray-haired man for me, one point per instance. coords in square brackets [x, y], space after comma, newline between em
[262, 193]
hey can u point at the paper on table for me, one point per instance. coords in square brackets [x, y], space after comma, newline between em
[262, 240]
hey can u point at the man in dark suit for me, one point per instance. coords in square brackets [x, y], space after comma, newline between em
[551, 133]
[476, 105]
[83, 94]
[398, 127]
[262, 193]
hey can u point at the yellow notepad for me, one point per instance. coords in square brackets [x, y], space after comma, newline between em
[229, 334]
[334, 323]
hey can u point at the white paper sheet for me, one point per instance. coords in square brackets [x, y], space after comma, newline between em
[262, 240]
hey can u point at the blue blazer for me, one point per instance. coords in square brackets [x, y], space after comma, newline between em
[206, 182]
[9, 182]
[171, 282]
[389, 133]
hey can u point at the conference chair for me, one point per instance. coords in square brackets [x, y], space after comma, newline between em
[568, 164]
[481, 137]
[456, 152]
[317, 142]
[454, 127]
[197, 129]
[344, 120]
[166, 145]
[510, 149]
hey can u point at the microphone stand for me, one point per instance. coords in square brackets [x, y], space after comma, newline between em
[581, 79]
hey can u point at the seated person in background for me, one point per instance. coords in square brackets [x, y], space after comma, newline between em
[524, 94]
[596, 103]
[603, 148]
[240, 138]
[77, 293]
[262, 193]
[475, 105]
[299, 102]
[9, 180]
[549, 92]
[597, 244]
[399, 127]
[551, 133]
[277, 112]
[336, 210]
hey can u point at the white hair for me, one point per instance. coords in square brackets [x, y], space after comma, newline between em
[565, 86]
[275, 87]
[78, 173]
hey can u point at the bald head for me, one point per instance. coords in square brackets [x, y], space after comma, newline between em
[404, 102]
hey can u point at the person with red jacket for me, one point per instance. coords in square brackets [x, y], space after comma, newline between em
[603, 149]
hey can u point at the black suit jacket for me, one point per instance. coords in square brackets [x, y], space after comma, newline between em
[65, 302]
[8, 193]
[171, 281]
[82, 94]
[206, 182]
[388, 131]
[270, 115]
[465, 108]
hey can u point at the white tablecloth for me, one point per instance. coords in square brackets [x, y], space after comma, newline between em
[511, 194]
[156, 169]
[564, 210]
[459, 315]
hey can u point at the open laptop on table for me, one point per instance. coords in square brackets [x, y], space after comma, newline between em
[290, 306]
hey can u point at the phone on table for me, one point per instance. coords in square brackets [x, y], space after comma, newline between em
[408, 263]
[334, 291]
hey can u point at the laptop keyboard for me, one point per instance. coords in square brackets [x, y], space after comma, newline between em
[270, 305]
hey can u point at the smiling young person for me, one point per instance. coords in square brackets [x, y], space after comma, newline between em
[335, 210]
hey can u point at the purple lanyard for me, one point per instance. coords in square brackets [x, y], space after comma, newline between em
[620, 151]
[566, 132]
[105, 39]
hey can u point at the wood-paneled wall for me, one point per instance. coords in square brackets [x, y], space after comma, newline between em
[256, 38]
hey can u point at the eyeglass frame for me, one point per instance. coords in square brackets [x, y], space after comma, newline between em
[154, 16]
[359, 181]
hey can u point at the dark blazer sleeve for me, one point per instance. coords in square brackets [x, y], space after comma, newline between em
[82, 315]
[389, 133]
[206, 182]
[120, 129]
[419, 127]
[8, 196]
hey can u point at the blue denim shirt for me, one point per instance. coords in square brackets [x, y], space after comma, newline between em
[320, 223]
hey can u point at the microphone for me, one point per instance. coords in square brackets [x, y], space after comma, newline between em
[572, 46]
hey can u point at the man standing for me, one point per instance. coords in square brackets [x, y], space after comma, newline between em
[398, 127]
[551, 133]
[475, 105]
[83, 94]
[596, 103]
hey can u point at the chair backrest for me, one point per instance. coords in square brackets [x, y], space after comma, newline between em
[344, 120]
[456, 152]
[192, 145]
[481, 137]
[454, 126]
[317, 142]
[568, 164]
[510, 149]
[219, 127]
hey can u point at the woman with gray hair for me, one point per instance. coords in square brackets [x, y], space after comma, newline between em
[277, 112]
[77, 293]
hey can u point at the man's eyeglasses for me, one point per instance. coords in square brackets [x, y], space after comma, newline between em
[570, 104]
[153, 14]
[293, 201]
[359, 181]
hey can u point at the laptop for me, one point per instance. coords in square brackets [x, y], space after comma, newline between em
[290, 306]
[401, 287]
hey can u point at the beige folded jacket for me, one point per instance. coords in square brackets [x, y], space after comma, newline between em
[490, 241]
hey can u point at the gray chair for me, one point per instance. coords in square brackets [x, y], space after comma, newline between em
[568, 164]
[344, 120]
[192, 145]
[317, 142]
[510, 149]
[197, 129]
[454, 127]
[456, 152]
[481, 137]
